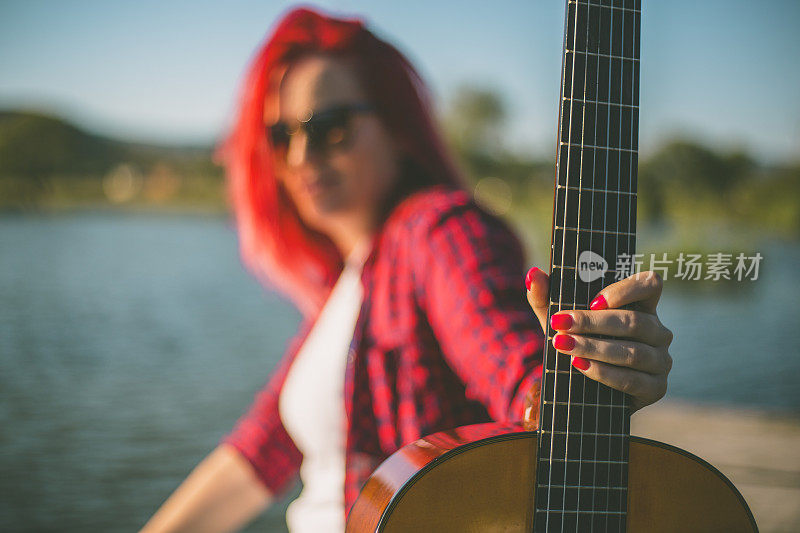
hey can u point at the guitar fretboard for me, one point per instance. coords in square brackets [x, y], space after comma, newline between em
[582, 458]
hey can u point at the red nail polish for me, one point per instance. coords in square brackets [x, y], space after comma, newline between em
[529, 277]
[580, 363]
[564, 342]
[561, 322]
[599, 303]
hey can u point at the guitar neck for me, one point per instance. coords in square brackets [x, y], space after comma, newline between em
[582, 457]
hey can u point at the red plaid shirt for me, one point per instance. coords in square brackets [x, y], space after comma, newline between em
[445, 338]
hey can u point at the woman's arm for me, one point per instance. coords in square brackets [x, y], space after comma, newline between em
[221, 494]
[257, 460]
[468, 270]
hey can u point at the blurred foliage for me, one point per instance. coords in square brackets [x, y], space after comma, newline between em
[38, 146]
[47, 163]
[702, 196]
[475, 121]
[691, 189]
[683, 176]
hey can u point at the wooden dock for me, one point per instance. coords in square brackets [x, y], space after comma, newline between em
[758, 451]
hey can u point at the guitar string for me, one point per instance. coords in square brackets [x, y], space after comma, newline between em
[631, 206]
[567, 422]
[578, 375]
[591, 246]
[547, 326]
[628, 249]
[616, 394]
[594, 184]
[605, 228]
[624, 413]
[563, 252]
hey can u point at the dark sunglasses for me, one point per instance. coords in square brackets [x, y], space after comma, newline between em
[325, 129]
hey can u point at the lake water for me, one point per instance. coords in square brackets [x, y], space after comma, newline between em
[129, 345]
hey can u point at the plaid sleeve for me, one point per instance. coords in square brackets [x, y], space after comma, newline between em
[471, 271]
[259, 435]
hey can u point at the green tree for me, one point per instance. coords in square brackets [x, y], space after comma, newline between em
[685, 173]
[474, 122]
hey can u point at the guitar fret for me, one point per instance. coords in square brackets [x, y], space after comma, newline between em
[629, 9]
[598, 461]
[595, 54]
[595, 147]
[626, 233]
[582, 433]
[573, 268]
[548, 371]
[548, 510]
[599, 102]
[589, 189]
[545, 485]
[577, 404]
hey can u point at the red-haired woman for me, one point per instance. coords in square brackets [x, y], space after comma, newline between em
[347, 200]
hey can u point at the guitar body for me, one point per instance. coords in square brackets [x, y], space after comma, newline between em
[480, 478]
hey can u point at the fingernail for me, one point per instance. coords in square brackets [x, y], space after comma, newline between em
[529, 277]
[561, 322]
[564, 342]
[599, 303]
[580, 363]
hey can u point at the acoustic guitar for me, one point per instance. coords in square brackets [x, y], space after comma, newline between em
[581, 470]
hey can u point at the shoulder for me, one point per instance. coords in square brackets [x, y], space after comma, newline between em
[441, 210]
[443, 218]
[425, 210]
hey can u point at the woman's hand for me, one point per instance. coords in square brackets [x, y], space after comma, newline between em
[637, 361]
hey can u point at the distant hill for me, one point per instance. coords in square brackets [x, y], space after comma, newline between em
[40, 145]
[47, 162]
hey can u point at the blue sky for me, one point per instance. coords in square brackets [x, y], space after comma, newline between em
[722, 71]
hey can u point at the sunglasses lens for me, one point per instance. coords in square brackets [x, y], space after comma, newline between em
[279, 136]
[328, 131]
[324, 131]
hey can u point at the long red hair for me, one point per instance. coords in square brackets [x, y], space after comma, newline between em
[274, 242]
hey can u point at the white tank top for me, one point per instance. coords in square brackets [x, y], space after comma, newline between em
[312, 405]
